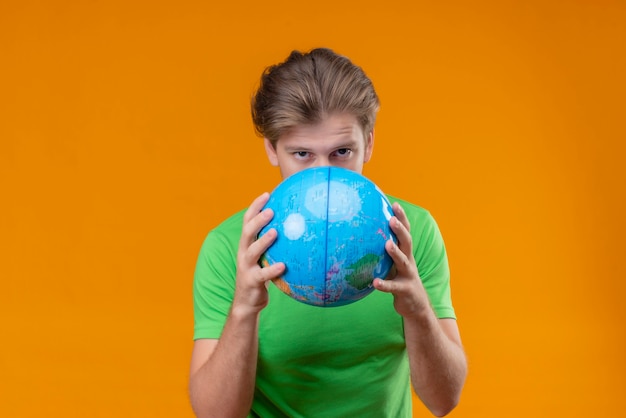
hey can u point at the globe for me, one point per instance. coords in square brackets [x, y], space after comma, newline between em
[332, 226]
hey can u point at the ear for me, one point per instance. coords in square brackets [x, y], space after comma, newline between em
[271, 152]
[369, 147]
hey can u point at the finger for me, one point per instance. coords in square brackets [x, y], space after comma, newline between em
[402, 262]
[402, 233]
[255, 207]
[258, 247]
[251, 229]
[399, 212]
[272, 271]
[268, 272]
[387, 286]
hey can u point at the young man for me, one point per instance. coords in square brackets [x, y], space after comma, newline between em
[257, 352]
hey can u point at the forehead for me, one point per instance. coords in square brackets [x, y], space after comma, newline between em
[337, 128]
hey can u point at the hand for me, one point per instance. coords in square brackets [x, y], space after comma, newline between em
[252, 279]
[403, 282]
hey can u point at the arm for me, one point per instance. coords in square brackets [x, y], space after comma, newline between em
[436, 357]
[223, 372]
[437, 361]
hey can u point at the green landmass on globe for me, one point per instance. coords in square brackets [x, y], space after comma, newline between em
[363, 271]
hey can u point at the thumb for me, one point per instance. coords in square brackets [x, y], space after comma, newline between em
[383, 285]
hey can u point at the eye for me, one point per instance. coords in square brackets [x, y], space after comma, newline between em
[301, 155]
[343, 152]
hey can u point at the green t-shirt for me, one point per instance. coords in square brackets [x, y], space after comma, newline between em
[341, 361]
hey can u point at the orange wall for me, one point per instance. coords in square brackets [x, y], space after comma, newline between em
[125, 136]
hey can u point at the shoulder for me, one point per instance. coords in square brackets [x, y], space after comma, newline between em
[228, 229]
[409, 207]
[424, 229]
[417, 215]
[224, 236]
[217, 258]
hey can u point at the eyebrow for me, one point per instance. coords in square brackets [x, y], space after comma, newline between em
[349, 144]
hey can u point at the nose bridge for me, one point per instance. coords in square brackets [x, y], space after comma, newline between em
[321, 161]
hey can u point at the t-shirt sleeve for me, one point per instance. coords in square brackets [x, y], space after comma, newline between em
[432, 264]
[213, 285]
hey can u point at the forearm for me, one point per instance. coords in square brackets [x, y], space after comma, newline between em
[224, 385]
[437, 361]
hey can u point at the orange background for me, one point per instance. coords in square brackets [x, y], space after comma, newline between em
[125, 136]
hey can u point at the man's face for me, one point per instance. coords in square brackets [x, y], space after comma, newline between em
[336, 141]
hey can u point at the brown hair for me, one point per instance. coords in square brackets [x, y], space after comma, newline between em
[306, 87]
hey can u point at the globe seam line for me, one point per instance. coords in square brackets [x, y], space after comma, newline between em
[326, 246]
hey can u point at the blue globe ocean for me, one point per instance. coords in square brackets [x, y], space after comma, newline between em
[332, 226]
